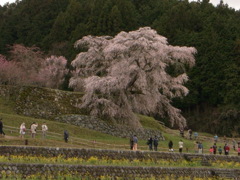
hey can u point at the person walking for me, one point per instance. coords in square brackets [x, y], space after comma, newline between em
[196, 147]
[211, 150]
[226, 149]
[22, 131]
[66, 136]
[214, 148]
[44, 130]
[131, 142]
[181, 132]
[180, 143]
[215, 138]
[155, 143]
[195, 135]
[1, 128]
[135, 143]
[33, 129]
[234, 144]
[200, 148]
[170, 146]
[190, 134]
[150, 143]
[220, 150]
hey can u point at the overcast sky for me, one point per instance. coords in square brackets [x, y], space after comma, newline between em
[232, 3]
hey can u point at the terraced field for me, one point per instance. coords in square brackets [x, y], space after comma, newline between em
[93, 155]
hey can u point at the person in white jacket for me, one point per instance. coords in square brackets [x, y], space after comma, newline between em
[44, 130]
[34, 129]
[22, 130]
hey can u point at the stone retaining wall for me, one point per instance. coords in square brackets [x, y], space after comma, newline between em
[111, 154]
[108, 128]
[42, 102]
[114, 171]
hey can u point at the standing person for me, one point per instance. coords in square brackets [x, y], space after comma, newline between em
[44, 130]
[135, 142]
[131, 142]
[214, 148]
[195, 135]
[1, 127]
[180, 143]
[215, 138]
[33, 129]
[155, 143]
[66, 136]
[190, 134]
[170, 146]
[181, 131]
[150, 143]
[238, 150]
[200, 148]
[211, 150]
[226, 149]
[234, 144]
[220, 150]
[196, 147]
[22, 130]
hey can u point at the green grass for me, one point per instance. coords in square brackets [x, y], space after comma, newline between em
[10, 118]
[149, 122]
[57, 127]
[6, 106]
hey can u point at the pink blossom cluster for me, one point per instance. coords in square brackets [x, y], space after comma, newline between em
[28, 66]
[127, 74]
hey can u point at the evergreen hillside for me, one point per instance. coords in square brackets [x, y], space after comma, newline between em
[213, 102]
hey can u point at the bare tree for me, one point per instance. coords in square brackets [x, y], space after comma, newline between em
[127, 74]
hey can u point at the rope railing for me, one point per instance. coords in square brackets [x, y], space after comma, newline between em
[73, 140]
[93, 143]
[199, 137]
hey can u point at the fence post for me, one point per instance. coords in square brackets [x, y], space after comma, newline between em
[26, 142]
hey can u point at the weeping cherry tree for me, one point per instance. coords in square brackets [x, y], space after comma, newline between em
[129, 74]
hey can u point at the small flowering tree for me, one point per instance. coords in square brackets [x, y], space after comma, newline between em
[10, 74]
[127, 74]
[27, 66]
[53, 71]
[29, 61]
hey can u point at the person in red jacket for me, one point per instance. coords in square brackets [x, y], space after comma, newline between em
[226, 149]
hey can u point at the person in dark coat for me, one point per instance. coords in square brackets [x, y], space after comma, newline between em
[170, 146]
[226, 149]
[155, 143]
[214, 148]
[66, 136]
[131, 142]
[150, 143]
[1, 127]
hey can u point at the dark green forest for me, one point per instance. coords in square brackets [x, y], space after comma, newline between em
[213, 104]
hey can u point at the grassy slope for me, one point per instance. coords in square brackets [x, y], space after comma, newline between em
[10, 118]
